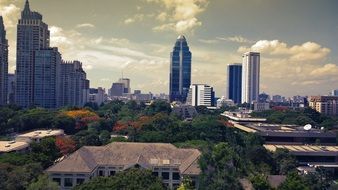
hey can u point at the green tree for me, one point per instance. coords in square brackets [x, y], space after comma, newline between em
[293, 182]
[132, 179]
[260, 182]
[43, 183]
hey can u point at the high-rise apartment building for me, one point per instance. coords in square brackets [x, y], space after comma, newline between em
[11, 88]
[334, 92]
[201, 95]
[74, 90]
[327, 105]
[32, 35]
[46, 78]
[117, 90]
[180, 70]
[250, 77]
[234, 83]
[3, 64]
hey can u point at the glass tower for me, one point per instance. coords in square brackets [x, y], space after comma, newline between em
[3, 64]
[234, 83]
[180, 70]
[32, 35]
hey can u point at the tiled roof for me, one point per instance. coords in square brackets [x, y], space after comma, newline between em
[124, 154]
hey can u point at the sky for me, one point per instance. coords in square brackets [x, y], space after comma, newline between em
[297, 40]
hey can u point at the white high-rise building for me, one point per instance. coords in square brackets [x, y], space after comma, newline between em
[250, 77]
[201, 95]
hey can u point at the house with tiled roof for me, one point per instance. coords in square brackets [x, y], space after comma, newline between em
[168, 162]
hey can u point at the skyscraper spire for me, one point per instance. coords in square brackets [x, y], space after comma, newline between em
[27, 6]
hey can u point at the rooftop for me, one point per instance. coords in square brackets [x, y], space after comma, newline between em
[242, 116]
[313, 149]
[9, 146]
[38, 134]
[126, 155]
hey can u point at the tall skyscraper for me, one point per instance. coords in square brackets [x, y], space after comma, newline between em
[250, 77]
[3, 64]
[46, 77]
[74, 90]
[234, 83]
[201, 95]
[32, 35]
[180, 70]
[11, 88]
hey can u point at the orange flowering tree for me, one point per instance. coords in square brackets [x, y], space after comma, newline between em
[66, 145]
[82, 117]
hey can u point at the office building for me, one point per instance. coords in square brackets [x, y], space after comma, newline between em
[180, 70]
[201, 95]
[47, 63]
[277, 99]
[166, 161]
[234, 83]
[74, 90]
[126, 85]
[11, 89]
[3, 63]
[32, 35]
[250, 77]
[117, 90]
[327, 105]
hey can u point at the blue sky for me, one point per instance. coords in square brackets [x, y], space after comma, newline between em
[297, 39]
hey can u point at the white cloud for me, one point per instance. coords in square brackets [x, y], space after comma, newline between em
[179, 15]
[135, 18]
[85, 25]
[327, 70]
[10, 14]
[237, 39]
[208, 41]
[304, 52]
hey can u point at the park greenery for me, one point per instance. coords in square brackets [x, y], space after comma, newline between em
[228, 155]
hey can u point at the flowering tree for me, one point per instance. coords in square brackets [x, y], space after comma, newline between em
[66, 145]
[82, 117]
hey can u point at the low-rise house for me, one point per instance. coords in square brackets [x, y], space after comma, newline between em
[37, 135]
[164, 160]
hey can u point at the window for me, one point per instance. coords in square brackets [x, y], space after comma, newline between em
[165, 175]
[57, 180]
[112, 173]
[79, 181]
[101, 173]
[155, 174]
[68, 182]
[176, 176]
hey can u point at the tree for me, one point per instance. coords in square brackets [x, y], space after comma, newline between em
[186, 184]
[104, 137]
[132, 179]
[45, 152]
[66, 145]
[260, 182]
[43, 183]
[293, 182]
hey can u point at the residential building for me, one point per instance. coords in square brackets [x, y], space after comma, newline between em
[46, 78]
[201, 95]
[250, 77]
[327, 105]
[3, 64]
[74, 90]
[277, 99]
[97, 95]
[180, 70]
[223, 102]
[184, 111]
[32, 35]
[234, 83]
[37, 135]
[126, 85]
[11, 88]
[166, 161]
[261, 106]
[139, 97]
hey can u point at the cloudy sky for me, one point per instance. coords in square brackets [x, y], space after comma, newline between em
[298, 39]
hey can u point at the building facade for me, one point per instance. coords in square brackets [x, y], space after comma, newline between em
[116, 90]
[334, 92]
[201, 95]
[126, 84]
[74, 90]
[11, 88]
[3, 64]
[164, 160]
[250, 77]
[180, 70]
[32, 35]
[234, 83]
[47, 63]
[327, 105]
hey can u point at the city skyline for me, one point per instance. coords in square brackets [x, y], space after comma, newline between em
[296, 54]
